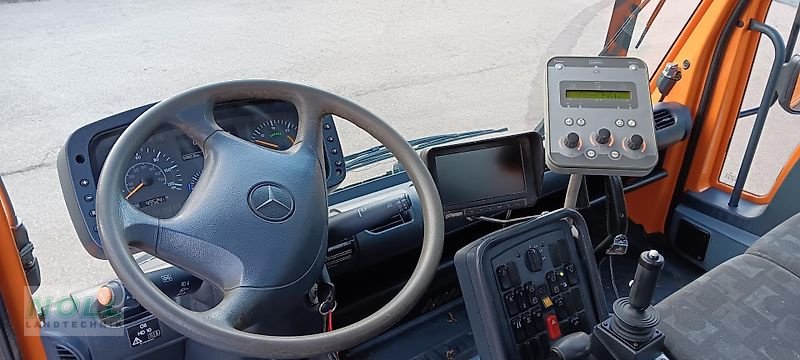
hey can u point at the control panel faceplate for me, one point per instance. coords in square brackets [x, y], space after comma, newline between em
[599, 117]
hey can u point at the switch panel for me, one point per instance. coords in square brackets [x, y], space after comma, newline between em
[528, 285]
[599, 118]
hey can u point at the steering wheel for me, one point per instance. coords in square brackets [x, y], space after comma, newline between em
[255, 225]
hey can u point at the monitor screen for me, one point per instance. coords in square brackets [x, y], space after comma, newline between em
[480, 174]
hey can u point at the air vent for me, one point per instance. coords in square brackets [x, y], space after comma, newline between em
[65, 353]
[663, 119]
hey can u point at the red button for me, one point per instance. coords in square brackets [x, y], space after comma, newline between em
[552, 327]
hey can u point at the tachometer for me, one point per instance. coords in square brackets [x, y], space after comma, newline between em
[275, 134]
[151, 180]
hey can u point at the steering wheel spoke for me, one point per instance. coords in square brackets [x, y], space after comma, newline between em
[196, 120]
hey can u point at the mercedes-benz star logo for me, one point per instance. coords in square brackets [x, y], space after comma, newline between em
[271, 202]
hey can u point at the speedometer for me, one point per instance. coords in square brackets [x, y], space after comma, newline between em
[152, 182]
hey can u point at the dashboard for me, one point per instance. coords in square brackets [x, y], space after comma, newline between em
[167, 167]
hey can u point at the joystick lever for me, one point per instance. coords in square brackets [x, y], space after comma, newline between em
[644, 281]
[630, 333]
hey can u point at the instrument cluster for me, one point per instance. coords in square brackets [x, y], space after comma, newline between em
[167, 167]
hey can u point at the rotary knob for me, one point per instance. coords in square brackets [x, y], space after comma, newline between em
[603, 136]
[572, 140]
[635, 142]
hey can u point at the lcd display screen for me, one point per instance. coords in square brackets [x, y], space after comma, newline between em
[480, 174]
[598, 95]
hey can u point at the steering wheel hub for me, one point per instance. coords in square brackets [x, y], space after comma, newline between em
[271, 202]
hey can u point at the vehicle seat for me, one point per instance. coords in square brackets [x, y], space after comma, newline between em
[746, 308]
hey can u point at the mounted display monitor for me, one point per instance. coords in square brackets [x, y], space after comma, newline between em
[599, 117]
[487, 176]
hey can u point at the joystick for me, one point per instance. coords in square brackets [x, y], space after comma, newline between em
[630, 333]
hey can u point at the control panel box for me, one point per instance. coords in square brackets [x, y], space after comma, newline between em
[599, 117]
[530, 284]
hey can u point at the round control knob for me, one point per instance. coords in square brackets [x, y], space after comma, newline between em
[572, 140]
[635, 142]
[603, 136]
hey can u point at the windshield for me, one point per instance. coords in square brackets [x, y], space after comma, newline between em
[426, 68]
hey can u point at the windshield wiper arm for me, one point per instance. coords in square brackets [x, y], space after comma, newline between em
[652, 18]
[380, 152]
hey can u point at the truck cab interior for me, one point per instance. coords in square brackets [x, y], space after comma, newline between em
[603, 233]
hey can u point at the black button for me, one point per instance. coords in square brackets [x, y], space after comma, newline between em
[603, 136]
[572, 140]
[513, 273]
[334, 151]
[84, 182]
[552, 283]
[572, 274]
[575, 323]
[538, 318]
[519, 330]
[533, 259]
[562, 279]
[330, 139]
[542, 291]
[88, 198]
[563, 250]
[561, 307]
[522, 300]
[635, 142]
[539, 347]
[555, 257]
[92, 213]
[511, 303]
[94, 228]
[503, 278]
[530, 325]
[530, 293]
[574, 300]
[339, 163]
[326, 126]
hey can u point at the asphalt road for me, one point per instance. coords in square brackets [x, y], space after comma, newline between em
[424, 66]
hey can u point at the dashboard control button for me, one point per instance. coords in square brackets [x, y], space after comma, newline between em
[603, 136]
[591, 154]
[93, 213]
[572, 140]
[334, 151]
[522, 300]
[574, 301]
[84, 182]
[503, 278]
[631, 123]
[569, 121]
[88, 198]
[572, 274]
[551, 321]
[339, 163]
[538, 318]
[511, 303]
[519, 330]
[330, 139]
[327, 126]
[547, 302]
[513, 273]
[619, 122]
[530, 324]
[533, 259]
[555, 256]
[561, 306]
[530, 293]
[580, 121]
[614, 154]
[635, 142]
[552, 283]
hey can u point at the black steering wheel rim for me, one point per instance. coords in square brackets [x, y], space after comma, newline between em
[117, 220]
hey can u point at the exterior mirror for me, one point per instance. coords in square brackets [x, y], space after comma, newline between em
[789, 86]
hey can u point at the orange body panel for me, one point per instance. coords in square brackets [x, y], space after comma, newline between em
[14, 288]
[649, 205]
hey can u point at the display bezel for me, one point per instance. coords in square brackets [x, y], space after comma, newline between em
[530, 144]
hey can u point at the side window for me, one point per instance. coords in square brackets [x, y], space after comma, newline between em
[781, 134]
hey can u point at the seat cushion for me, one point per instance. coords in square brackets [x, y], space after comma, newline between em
[745, 308]
[781, 245]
